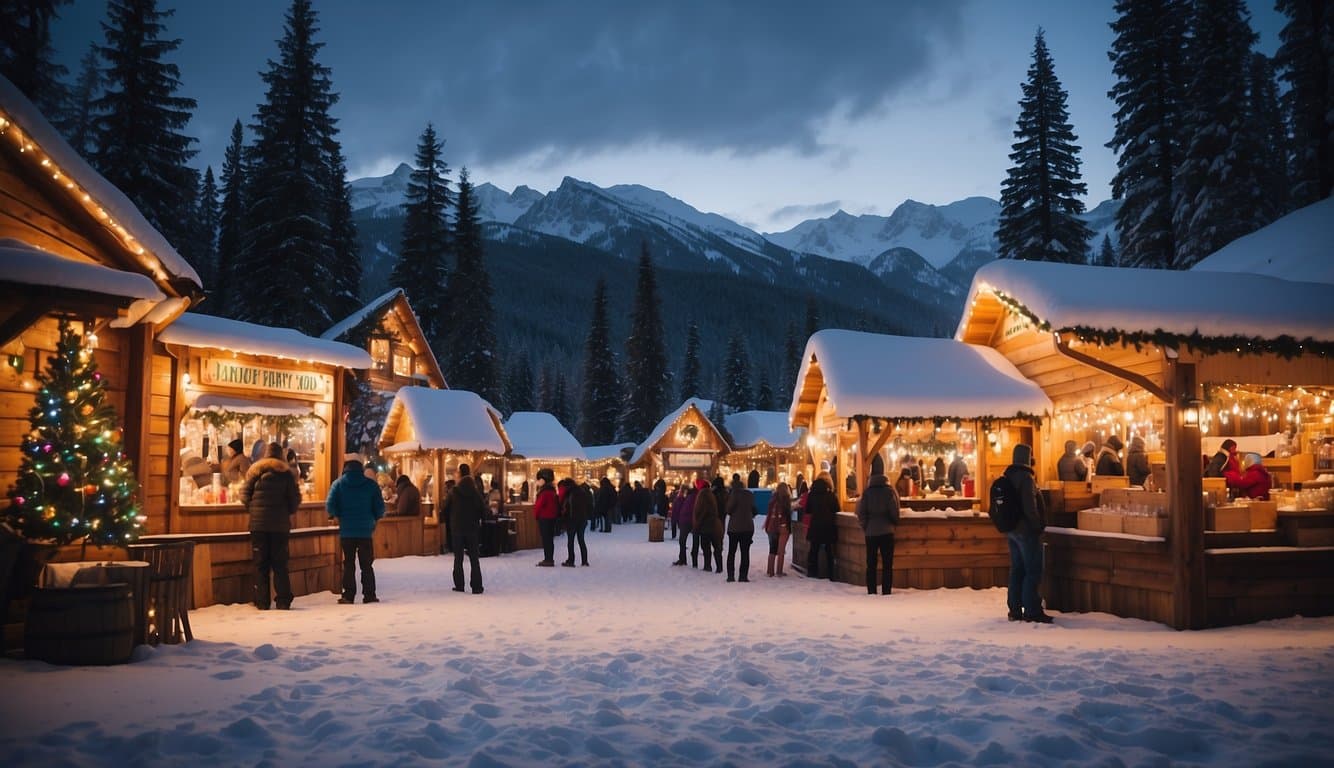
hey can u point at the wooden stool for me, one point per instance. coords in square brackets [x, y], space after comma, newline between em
[170, 590]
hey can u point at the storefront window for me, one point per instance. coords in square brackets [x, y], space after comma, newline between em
[402, 365]
[380, 351]
[211, 475]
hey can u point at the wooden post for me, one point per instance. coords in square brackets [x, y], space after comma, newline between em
[860, 458]
[1186, 526]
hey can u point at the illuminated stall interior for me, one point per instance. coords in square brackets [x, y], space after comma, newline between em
[683, 446]
[607, 461]
[538, 441]
[762, 441]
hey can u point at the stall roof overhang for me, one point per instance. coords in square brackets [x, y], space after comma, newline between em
[1161, 303]
[880, 376]
[210, 401]
[444, 420]
[537, 435]
[377, 307]
[22, 125]
[195, 330]
[659, 432]
[613, 452]
[750, 428]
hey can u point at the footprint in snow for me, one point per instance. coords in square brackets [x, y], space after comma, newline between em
[266, 652]
[231, 674]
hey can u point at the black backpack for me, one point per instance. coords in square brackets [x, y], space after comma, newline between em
[1006, 507]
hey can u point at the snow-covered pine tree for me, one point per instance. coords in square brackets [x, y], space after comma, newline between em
[422, 265]
[1305, 59]
[691, 386]
[74, 482]
[1266, 119]
[139, 144]
[1148, 59]
[1106, 254]
[812, 316]
[519, 386]
[346, 295]
[647, 376]
[546, 387]
[1040, 205]
[560, 400]
[1217, 186]
[471, 337]
[77, 123]
[600, 404]
[26, 57]
[231, 224]
[284, 276]
[764, 391]
[718, 415]
[737, 387]
[205, 219]
[791, 361]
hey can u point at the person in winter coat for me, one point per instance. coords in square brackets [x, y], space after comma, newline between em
[904, 484]
[719, 489]
[685, 522]
[706, 521]
[822, 534]
[464, 509]
[577, 501]
[237, 463]
[740, 529]
[546, 508]
[778, 527]
[957, 472]
[1025, 541]
[355, 502]
[1253, 481]
[1224, 461]
[674, 508]
[495, 499]
[660, 497]
[1109, 458]
[1070, 467]
[1087, 452]
[937, 473]
[753, 479]
[643, 503]
[878, 514]
[604, 504]
[801, 488]
[271, 496]
[625, 502]
[408, 500]
[1137, 462]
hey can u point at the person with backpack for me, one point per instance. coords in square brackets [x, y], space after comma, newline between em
[1016, 510]
[878, 513]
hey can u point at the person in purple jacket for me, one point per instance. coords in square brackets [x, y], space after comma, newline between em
[684, 519]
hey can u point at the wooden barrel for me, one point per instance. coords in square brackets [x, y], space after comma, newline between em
[655, 525]
[80, 625]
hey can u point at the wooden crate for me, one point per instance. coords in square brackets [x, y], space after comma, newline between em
[1264, 515]
[1216, 487]
[1101, 483]
[1098, 520]
[1077, 496]
[1230, 517]
[1141, 525]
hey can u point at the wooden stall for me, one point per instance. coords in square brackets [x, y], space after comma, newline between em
[684, 445]
[539, 440]
[429, 432]
[390, 332]
[762, 441]
[1166, 356]
[607, 461]
[869, 398]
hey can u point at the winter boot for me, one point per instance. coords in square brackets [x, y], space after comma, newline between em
[770, 570]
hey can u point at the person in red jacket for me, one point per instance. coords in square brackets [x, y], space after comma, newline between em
[546, 508]
[1252, 481]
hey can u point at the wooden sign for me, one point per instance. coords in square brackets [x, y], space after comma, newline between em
[224, 372]
[687, 460]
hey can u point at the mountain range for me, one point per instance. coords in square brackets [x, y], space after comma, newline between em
[904, 273]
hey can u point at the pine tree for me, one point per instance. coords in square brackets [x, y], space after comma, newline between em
[546, 387]
[287, 234]
[1148, 59]
[231, 225]
[26, 57]
[75, 483]
[346, 291]
[1040, 203]
[737, 390]
[139, 145]
[560, 400]
[1266, 120]
[718, 416]
[422, 265]
[1305, 59]
[764, 392]
[471, 338]
[601, 399]
[791, 361]
[205, 246]
[77, 122]
[1106, 254]
[690, 375]
[647, 375]
[519, 386]
[812, 317]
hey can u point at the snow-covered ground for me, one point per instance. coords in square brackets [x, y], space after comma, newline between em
[634, 662]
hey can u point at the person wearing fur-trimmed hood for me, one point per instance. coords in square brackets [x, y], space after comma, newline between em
[271, 496]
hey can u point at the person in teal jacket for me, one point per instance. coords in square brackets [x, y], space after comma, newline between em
[355, 502]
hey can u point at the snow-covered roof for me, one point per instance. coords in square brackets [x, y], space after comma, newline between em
[537, 435]
[93, 193]
[195, 330]
[872, 374]
[378, 306]
[660, 431]
[1299, 246]
[749, 428]
[444, 419]
[28, 265]
[606, 452]
[356, 318]
[1180, 303]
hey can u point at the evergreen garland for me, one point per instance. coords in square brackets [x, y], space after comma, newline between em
[74, 482]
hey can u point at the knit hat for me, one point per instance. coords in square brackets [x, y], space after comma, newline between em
[237, 446]
[1023, 455]
[275, 451]
[1250, 460]
[349, 458]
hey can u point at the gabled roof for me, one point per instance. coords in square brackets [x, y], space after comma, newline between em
[24, 131]
[876, 375]
[425, 419]
[397, 301]
[750, 428]
[659, 432]
[1299, 246]
[195, 330]
[536, 435]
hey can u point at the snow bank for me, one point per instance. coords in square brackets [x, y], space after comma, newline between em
[195, 330]
[536, 435]
[444, 419]
[1299, 246]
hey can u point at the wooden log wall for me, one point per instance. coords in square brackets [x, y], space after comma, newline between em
[1251, 585]
[398, 537]
[223, 571]
[1123, 577]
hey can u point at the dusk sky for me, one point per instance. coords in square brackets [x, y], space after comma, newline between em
[766, 112]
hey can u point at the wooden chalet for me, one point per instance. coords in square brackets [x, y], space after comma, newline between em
[684, 445]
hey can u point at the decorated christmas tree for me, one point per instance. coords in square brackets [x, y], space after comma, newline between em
[75, 483]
